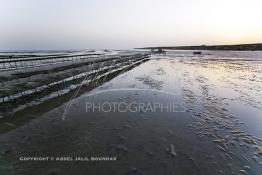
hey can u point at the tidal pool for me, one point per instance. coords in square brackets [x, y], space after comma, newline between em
[174, 114]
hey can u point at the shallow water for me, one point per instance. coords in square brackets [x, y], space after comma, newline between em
[214, 126]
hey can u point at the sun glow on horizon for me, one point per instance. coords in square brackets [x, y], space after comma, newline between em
[128, 24]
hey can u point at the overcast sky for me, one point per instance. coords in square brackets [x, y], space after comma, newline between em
[83, 24]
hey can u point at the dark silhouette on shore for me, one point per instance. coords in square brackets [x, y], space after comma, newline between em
[239, 47]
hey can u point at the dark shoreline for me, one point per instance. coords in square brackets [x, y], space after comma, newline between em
[238, 47]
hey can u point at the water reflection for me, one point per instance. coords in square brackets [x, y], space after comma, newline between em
[218, 133]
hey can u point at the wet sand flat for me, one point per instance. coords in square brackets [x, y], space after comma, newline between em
[214, 126]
